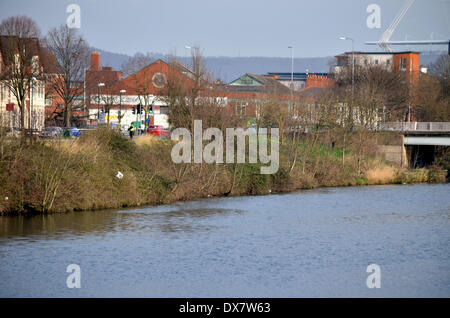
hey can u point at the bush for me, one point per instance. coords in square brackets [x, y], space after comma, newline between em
[80, 174]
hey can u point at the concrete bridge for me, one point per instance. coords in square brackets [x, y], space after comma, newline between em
[419, 142]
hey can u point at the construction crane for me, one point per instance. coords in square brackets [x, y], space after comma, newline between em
[386, 36]
[385, 42]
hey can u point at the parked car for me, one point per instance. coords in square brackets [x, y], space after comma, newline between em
[51, 132]
[157, 131]
[75, 132]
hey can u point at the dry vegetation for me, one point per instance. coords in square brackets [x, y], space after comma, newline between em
[62, 175]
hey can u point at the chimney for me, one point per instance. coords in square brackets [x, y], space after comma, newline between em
[95, 60]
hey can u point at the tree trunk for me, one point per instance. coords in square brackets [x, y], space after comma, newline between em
[67, 119]
[343, 152]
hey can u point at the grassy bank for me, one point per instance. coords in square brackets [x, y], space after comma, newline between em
[71, 175]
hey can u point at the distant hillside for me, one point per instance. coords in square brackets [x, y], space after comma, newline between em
[111, 59]
[230, 68]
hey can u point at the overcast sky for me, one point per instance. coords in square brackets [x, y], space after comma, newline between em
[236, 27]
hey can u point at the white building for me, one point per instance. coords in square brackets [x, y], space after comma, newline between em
[159, 114]
[34, 110]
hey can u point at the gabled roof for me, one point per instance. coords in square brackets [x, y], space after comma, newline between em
[313, 92]
[31, 44]
[247, 80]
[256, 83]
[49, 62]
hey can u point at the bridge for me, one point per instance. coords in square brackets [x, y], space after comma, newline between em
[419, 141]
[421, 133]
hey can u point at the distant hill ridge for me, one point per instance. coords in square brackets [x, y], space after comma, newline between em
[230, 68]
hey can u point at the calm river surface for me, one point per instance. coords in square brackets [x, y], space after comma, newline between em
[308, 244]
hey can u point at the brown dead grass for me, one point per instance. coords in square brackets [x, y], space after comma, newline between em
[145, 140]
[381, 175]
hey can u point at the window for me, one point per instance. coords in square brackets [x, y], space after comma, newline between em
[241, 109]
[35, 64]
[376, 62]
[48, 101]
[403, 64]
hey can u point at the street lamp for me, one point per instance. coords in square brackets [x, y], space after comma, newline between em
[187, 47]
[344, 38]
[98, 100]
[292, 75]
[122, 91]
[196, 53]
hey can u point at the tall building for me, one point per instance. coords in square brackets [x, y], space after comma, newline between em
[408, 61]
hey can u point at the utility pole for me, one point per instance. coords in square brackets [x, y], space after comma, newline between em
[98, 101]
[122, 91]
[353, 59]
[292, 77]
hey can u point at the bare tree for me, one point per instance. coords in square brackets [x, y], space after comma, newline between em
[441, 69]
[71, 59]
[388, 88]
[136, 68]
[433, 96]
[20, 54]
[190, 94]
[109, 99]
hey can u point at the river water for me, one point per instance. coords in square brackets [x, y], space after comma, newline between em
[315, 243]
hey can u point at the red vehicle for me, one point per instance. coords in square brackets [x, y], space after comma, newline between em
[157, 131]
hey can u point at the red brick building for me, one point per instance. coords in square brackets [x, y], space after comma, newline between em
[244, 97]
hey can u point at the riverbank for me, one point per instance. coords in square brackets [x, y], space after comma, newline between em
[74, 175]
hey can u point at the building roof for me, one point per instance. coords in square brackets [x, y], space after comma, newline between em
[376, 53]
[285, 76]
[47, 60]
[31, 44]
[313, 93]
[256, 83]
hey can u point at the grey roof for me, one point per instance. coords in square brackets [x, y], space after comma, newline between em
[285, 76]
[268, 85]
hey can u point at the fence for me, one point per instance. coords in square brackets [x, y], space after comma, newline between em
[416, 126]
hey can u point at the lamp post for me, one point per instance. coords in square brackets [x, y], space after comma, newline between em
[353, 59]
[292, 76]
[196, 53]
[122, 91]
[98, 101]
[187, 47]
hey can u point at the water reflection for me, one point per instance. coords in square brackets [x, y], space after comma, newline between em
[107, 221]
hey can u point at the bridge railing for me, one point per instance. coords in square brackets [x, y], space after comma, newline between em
[416, 126]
